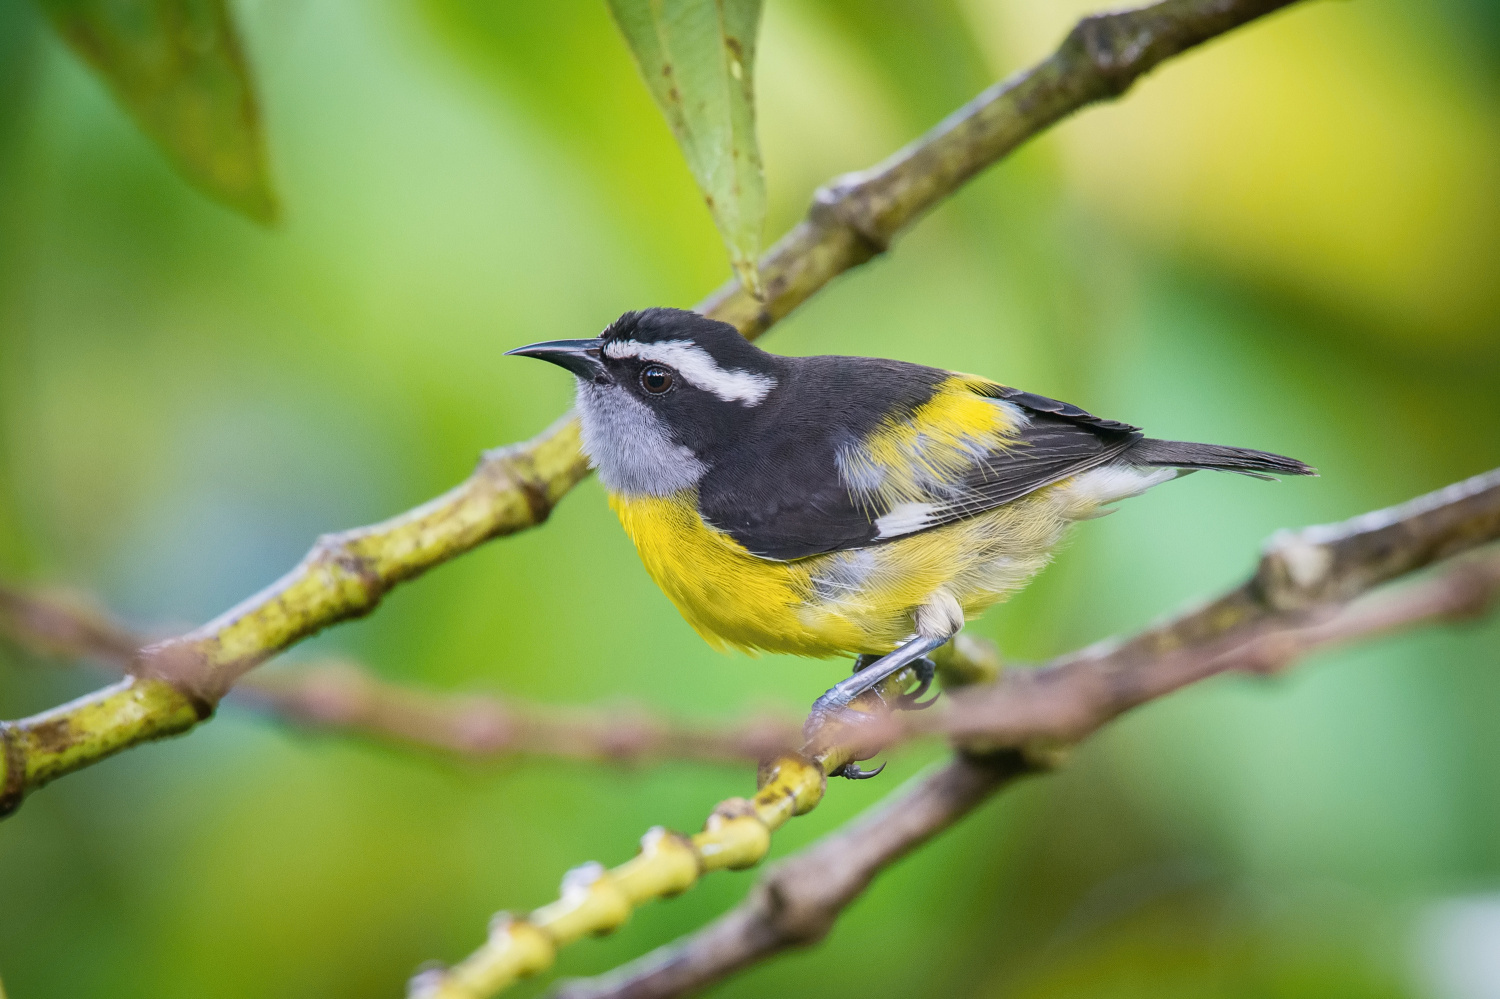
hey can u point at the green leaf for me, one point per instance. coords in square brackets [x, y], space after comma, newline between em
[698, 60]
[177, 66]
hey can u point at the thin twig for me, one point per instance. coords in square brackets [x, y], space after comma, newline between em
[176, 684]
[1301, 598]
[342, 698]
[337, 696]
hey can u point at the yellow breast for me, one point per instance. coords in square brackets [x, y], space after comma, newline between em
[728, 595]
[843, 602]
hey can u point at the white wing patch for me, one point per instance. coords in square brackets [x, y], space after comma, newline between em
[699, 368]
[905, 518]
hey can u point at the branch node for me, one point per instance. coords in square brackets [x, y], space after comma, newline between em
[13, 779]
[185, 666]
[733, 837]
[848, 202]
[1113, 44]
[590, 903]
[795, 921]
[336, 553]
[1293, 571]
[505, 465]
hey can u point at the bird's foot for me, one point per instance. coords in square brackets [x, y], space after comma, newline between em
[831, 707]
[926, 671]
[826, 710]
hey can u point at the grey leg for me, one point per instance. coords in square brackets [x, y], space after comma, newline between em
[842, 694]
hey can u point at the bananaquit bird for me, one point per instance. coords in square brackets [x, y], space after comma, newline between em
[843, 505]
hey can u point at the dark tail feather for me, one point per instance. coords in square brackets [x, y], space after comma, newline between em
[1180, 454]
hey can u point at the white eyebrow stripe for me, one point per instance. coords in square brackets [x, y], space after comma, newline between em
[698, 367]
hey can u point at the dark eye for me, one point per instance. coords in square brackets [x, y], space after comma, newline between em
[656, 379]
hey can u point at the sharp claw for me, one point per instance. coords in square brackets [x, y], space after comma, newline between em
[911, 701]
[906, 701]
[852, 771]
[916, 705]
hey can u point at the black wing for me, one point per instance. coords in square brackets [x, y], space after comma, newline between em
[787, 492]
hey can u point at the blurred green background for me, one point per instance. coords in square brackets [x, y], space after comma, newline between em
[1287, 240]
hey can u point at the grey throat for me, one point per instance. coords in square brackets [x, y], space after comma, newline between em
[632, 450]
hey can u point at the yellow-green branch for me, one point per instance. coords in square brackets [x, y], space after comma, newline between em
[177, 682]
[737, 835]
[595, 901]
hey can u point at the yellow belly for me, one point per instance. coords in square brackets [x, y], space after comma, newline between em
[844, 602]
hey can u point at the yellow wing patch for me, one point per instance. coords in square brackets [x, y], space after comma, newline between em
[917, 458]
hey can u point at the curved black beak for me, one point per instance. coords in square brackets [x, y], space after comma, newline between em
[585, 358]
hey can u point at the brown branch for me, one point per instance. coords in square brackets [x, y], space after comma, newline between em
[65, 625]
[341, 697]
[1302, 597]
[176, 684]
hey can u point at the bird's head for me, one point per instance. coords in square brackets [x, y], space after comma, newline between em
[661, 392]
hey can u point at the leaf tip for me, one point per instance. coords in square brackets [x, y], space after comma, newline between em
[748, 271]
[268, 210]
[259, 204]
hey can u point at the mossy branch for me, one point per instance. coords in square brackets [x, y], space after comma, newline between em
[798, 900]
[176, 684]
[1302, 597]
[737, 835]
